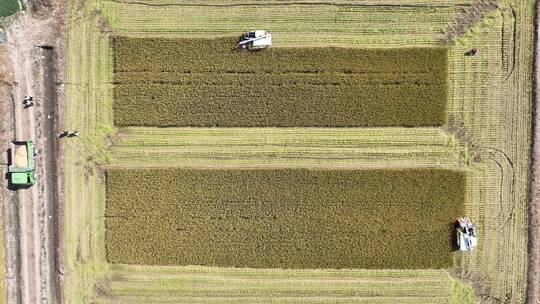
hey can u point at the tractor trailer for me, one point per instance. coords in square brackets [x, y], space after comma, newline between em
[21, 170]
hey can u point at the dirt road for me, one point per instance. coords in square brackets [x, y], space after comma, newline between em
[30, 214]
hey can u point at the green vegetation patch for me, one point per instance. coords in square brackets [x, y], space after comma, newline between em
[283, 218]
[208, 82]
[9, 7]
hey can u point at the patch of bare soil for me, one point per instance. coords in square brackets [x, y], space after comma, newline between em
[29, 59]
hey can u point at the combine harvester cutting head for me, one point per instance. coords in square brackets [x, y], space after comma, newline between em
[465, 234]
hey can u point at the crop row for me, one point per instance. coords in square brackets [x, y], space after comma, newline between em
[251, 101]
[206, 82]
[222, 55]
[284, 218]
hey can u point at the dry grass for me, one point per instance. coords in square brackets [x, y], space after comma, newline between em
[325, 23]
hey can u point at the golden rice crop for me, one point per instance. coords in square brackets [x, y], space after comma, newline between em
[207, 82]
[286, 218]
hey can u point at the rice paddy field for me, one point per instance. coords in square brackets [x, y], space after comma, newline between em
[282, 218]
[133, 161]
[185, 85]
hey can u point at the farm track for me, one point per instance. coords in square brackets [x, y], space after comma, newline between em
[31, 212]
[487, 130]
[9, 252]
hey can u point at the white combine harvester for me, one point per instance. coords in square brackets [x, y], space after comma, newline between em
[465, 234]
[255, 40]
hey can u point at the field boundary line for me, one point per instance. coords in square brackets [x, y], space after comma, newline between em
[293, 3]
[533, 271]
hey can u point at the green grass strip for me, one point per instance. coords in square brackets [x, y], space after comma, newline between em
[283, 218]
[207, 82]
[9, 7]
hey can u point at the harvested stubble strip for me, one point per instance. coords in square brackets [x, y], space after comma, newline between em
[283, 218]
[206, 82]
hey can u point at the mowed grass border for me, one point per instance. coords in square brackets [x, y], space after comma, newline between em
[283, 218]
[203, 82]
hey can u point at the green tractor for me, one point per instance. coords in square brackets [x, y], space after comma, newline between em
[21, 170]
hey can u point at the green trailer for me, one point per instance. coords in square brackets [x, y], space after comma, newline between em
[21, 170]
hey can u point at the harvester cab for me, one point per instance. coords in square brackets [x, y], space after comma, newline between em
[255, 40]
[465, 234]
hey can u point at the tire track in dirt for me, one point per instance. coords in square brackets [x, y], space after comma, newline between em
[24, 127]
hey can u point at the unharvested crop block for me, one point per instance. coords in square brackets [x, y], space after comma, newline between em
[283, 218]
[207, 82]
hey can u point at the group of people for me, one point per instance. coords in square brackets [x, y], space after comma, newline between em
[28, 101]
[67, 133]
[471, 52]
